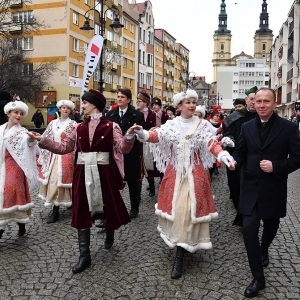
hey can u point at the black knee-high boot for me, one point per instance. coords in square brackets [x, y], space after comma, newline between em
[110, 238]
[22, 229]
[84, 261]
[54, 215]
[178, 262]
[151, 187]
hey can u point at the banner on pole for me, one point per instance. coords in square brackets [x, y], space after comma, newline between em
[91, 60]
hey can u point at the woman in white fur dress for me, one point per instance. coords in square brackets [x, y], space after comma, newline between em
[56, 171]
[184, 149]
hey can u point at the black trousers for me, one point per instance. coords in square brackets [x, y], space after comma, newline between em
[134, 187]
[254, 250]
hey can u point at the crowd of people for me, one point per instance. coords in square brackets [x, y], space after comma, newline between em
[84, 165]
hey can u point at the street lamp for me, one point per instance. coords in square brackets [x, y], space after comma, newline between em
[115, 25]
[186, 77]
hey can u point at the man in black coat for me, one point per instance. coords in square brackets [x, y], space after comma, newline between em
[126, 116]
[270, 148]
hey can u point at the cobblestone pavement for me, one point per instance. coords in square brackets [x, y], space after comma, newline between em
[138, 266]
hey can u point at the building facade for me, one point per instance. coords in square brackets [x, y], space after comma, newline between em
[233, 81]
[284, 63]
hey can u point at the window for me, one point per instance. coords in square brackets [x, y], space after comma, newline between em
[242, 82]
[124, 81]
[140, 56]
[235, 91]
[75, 17]
[120, 2]
[125, 24]
[149, 60]
[264, 47]
[141, 80]
[27, 69]
[87, 2]
[130, 64]
[75, 70]
[242, 65]
[143, 57]
[125, 62]
[148, 81]
[235, 74]
[23, 17]
[124, 43]
[259, 74]
[259, 82]
[260, 65]
[96, 29]
[250, 65]
[267, 74]
[222, 47]
[109, 35]
[130, 83]
[241, 91]
[131, 28]
[131, 46]
[27, 43]
[235, 82]
[75, 45]
[144, 35]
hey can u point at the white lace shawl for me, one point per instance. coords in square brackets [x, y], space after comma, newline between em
[24, 152]
[53, 133]
[173, 142]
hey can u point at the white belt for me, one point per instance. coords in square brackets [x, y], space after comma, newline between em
[90, 160]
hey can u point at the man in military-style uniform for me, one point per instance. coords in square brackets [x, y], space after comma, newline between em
[232, 128]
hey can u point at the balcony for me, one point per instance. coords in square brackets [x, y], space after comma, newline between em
[289, 74]
[16, 29]
[114, 66]
[16, 4]
[113, 87]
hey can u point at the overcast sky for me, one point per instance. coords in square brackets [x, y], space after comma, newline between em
[193, 22]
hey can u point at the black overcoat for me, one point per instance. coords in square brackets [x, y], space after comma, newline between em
[132, 160]
[268, 190]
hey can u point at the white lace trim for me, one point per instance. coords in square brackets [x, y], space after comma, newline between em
[53, 133]
[172, 144]
[16, 141]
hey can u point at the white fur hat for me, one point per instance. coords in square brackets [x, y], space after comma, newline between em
[179, 97]
[65, 102]
[14, 105]
[201, 109]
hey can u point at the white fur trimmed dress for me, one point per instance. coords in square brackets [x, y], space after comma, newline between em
[184, 149]
[56, 171]
[18, 174]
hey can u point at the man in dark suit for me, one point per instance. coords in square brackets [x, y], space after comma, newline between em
[126, 116]
[270, 148]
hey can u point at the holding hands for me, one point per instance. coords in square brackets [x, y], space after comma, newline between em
[34, 135]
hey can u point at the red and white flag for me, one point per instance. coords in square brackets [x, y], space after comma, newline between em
[91, 60]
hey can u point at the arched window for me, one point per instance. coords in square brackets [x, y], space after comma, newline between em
[222, 47]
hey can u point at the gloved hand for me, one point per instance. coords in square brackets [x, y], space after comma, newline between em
[226, 141]
[228, 160]
[140, 133]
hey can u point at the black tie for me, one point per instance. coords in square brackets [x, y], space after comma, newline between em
[122, 113]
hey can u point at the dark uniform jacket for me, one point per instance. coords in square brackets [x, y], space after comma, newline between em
[132, 160]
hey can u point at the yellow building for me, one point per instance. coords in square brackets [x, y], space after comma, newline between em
[130, 47]
[158, 67]
[62, 41]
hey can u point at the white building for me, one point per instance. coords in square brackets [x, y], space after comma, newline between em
[233, 81]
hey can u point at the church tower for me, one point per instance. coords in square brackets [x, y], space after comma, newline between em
[263, 38]
[222, 43]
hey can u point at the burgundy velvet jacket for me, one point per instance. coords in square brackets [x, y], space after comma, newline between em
[106, 136]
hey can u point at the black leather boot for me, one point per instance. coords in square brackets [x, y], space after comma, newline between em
[178, 262]
[1, 233]
[54, 215]
[22, 229]
[151, 187]
[84, 249]
[110, 238]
